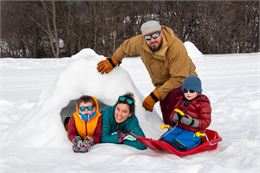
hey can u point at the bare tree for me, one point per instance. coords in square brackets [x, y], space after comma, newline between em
[34, 28]
[51, 27]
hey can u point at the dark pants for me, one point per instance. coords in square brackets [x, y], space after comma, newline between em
[168, 103]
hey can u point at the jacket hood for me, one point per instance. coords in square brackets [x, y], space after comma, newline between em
[169, 35]
[96, 103]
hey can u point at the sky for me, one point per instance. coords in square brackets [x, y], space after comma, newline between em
[33, 92]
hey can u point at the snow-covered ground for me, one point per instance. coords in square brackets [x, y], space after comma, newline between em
[33, 92]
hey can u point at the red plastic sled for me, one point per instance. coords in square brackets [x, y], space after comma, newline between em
[208, 144]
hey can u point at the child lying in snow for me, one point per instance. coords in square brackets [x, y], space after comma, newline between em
[192, 114]
[85, 125]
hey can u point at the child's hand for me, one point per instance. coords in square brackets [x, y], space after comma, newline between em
[76, 139]
[81, 146]
[177, 117]
[89, 140]
[189, 121]
[180, 112]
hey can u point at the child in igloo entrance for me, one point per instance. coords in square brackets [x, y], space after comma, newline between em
[85, 124]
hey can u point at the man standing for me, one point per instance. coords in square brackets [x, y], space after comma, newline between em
[165, 59]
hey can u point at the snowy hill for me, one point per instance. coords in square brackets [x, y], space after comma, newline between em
[33, 92]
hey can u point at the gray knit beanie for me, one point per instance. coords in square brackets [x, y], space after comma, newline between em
[150, 26]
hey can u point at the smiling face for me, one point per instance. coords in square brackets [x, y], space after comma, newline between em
[152, 42]
[122, 112]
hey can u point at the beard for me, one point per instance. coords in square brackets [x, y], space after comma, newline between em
[156, 48]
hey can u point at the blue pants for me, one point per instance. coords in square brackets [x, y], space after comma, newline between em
[181, 139]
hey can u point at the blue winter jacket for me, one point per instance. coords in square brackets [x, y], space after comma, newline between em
[110, 126]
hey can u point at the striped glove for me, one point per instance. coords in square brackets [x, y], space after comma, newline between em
[189, 121]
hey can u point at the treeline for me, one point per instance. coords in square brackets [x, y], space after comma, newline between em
[62, 28]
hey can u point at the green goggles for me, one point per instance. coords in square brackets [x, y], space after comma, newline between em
[123, 99]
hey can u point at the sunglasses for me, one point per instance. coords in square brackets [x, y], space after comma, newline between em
[190, 91]
[89, 108]
[123, 99]
[153, 36]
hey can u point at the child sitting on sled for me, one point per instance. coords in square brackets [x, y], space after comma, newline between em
[192, 114]
[85, 125]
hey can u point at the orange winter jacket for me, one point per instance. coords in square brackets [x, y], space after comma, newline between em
[167, 67]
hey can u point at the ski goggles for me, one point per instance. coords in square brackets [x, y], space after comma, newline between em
[83, 108]
[123, 99]
[190, 91]
[152, 36]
